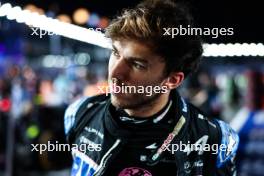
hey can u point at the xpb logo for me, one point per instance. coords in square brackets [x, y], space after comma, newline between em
[40, 32]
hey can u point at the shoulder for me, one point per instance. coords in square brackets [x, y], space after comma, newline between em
[80, 105]
[70, 113]
[202, 124]
[228, 144]
[219, 132]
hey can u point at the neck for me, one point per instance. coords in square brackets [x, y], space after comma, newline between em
[151, 108]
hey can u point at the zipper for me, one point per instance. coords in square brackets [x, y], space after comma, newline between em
[153, 159]
[105, 158]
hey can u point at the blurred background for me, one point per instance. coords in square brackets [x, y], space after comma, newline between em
[46, 64]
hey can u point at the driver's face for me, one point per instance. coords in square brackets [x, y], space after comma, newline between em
[133, 63]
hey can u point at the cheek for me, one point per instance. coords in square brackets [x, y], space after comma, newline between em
[152, 79]
[143, 80]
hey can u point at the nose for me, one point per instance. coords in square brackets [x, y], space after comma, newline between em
[119, 69]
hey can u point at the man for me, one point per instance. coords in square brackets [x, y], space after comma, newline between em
[135, 131]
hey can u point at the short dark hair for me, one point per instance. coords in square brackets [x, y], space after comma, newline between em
[146, 23]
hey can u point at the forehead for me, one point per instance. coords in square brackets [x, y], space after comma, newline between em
[133, 48]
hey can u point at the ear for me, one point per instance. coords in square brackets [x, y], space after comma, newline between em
[174, 80]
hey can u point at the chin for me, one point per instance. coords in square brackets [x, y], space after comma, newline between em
[132, 102]
[120, 102]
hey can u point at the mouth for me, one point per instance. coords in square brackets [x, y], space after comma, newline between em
[114, 88]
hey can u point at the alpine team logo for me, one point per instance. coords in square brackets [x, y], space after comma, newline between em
[134, 171]
[83, 165]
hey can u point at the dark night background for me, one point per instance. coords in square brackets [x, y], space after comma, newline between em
[246, 17]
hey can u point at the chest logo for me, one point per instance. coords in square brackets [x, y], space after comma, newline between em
[134, 171]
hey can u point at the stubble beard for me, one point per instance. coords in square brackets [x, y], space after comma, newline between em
[137, 101]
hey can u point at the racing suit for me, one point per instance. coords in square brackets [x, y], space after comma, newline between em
[180, 140]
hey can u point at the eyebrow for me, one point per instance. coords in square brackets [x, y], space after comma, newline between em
[113, 47]
[133, 58]
[137, 59]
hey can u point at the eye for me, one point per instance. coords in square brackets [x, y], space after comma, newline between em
[139, 65]
[115, 52]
